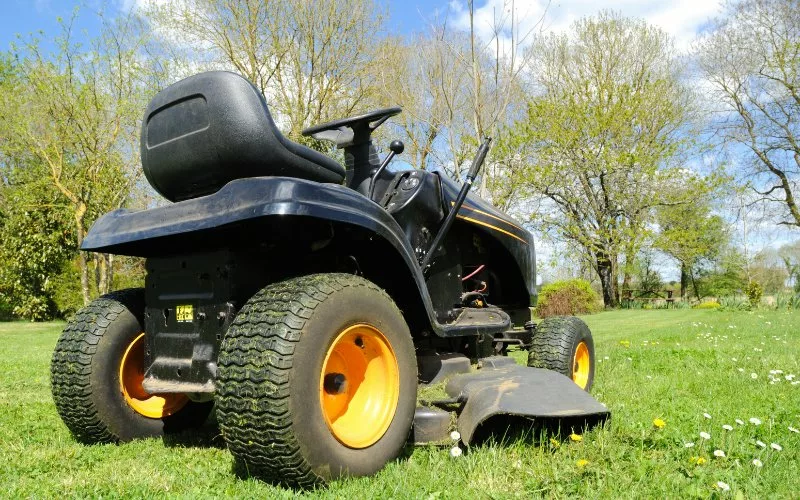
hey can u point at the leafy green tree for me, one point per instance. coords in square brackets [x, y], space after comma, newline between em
[604, 135]
[71, 118]
[690, 234]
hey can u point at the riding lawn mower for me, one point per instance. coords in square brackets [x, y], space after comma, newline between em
[305, 302]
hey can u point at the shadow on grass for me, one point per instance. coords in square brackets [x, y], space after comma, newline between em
[207, 435]
[504, 430]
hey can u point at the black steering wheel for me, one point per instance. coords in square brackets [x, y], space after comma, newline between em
[351, 131]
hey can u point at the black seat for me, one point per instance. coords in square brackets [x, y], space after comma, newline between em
[209, 129]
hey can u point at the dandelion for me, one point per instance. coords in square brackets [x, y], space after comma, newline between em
[792, 429]
[776, 447]
[582, 462]
[754, 375]
[554, 443]
[723, 486]
[576, 437]
[707, 415]
[626, 343]
[688, 445]
[698, 460]
[740, 421]
[719, 453]
[727, 427]
[761, 444]
[705, 435]
[758, 463]
[659, 424]
[755, 421]
[455, 436]
[455, 452]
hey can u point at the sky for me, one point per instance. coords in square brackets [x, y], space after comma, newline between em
[683, 19]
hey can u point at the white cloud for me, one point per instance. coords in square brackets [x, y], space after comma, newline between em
[682, 19]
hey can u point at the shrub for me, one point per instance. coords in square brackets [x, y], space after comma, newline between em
[707, 305]
[754, 293]
[566, 298]
[734, 303]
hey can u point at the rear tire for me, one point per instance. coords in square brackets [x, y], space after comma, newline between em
[87, 381]
[565, 345]
[295, 369]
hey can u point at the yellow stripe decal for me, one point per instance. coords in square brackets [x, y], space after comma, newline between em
[475, 221]
[487, 214]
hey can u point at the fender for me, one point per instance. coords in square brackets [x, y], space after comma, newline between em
[141, 233]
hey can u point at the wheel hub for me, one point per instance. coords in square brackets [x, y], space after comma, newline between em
[131, 376]
[581, 365]
[359, 386]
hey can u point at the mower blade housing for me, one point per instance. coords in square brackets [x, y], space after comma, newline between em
[504, 389]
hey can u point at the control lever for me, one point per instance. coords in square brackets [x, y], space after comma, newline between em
[395, 148]
[462, 195]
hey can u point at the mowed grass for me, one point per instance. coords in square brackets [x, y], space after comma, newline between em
[671, 365]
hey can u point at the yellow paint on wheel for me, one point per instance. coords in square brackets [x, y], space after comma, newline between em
[359, 386]
[581, 365]
[131, 376]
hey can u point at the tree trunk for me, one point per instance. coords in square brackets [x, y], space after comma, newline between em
[83, 261]
[684, 280]
[608, 280]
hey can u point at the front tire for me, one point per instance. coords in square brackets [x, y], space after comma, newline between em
[565, 345]
[97, 372]
[317, 380]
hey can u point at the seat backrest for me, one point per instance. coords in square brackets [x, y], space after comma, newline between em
[204, 131]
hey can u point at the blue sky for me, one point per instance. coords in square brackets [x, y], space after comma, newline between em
[681, 18]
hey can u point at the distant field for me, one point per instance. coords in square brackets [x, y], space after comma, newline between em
[673, 365]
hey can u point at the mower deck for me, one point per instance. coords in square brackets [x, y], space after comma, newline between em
[501, 395]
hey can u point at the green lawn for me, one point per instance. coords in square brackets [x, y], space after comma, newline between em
[672, 365]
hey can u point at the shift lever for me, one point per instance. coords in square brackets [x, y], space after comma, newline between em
[395, 148]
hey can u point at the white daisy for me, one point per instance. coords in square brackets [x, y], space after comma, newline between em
[754, 375]
[688, 445]
[723, 486]
[755, 421]
[706, 415]
[792, 429]
[455, 436]
[719, 453]
[727, 427]
[757, 462]
[761, 444]
[740, 421]
[455, 451]
[705, 435]
[776, 447]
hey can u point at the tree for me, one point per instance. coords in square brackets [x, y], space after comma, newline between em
[73, 120]
[751, 57]
[690, 234]
[603, 136]
[314, 61]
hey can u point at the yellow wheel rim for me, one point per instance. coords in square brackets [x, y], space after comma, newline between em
[581, 365]
[131, 376]
[359, 386]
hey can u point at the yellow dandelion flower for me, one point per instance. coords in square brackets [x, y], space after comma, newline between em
[554, 443]
[626, 343]
[697, 460]
[576, 437]
[659, 424]
[582, 462]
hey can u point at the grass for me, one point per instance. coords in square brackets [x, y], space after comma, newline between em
[673, 365]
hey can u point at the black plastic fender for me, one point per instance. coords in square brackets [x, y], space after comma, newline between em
[142, 233]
